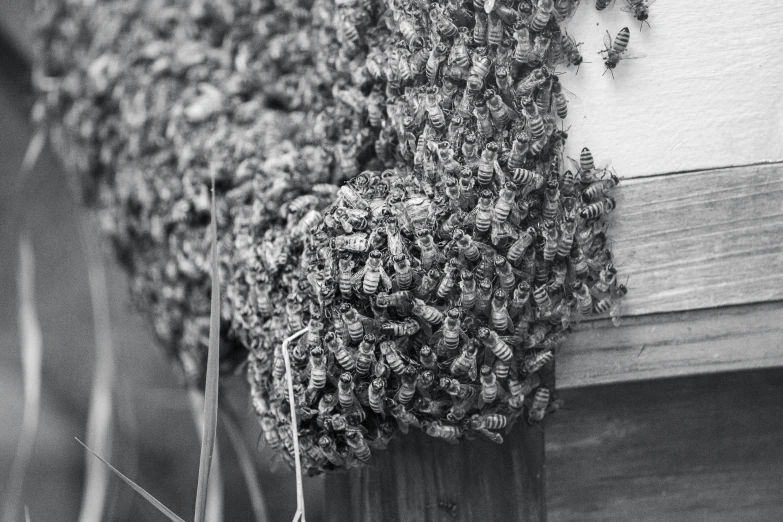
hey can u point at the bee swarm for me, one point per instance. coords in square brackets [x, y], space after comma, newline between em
[390, 177]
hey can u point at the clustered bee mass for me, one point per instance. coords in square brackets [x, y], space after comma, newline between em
[391, 177]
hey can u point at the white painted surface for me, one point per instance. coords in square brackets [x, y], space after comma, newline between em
[708, 94]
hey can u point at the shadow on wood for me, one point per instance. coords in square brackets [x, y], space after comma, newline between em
[407, 481]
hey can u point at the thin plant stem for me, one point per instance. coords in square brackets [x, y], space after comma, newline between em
[300, 507]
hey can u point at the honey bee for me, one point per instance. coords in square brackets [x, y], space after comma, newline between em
[269, 430]
[501, 113]
[328, 448]
[428, 314]
[495, 30]
[640, 10]
[541, 15]
[489, 385]
[459, 56]
[492, 341]
[450, 335]
[371, 275]
[442, 431]
[468, 294]
[483, 296]
[345, 395]
[465, 362]
[428, 359]
[520, 297]
[483, 118]
[407, 389]
[611, 304]
[516, 157]
[377, 392]
[600, 188]
[365, 358]
[517, 249]
[543, 301]
[404, 418]
[489, 421]
[466, 246]
[401, 329]
[500, 319]
[437, 55]
[598, 209]
[501, 369]
[524, 47]
[571, 51]
[358, 445]
[536, 360]
[429, 282]
[294, 316]
[538, 406]
[505, 273]
[480, 28]
[317, 369]
[345, 272]
[603, 4]
[481, 216]
[479, 69]
[616, 51]
[357, 242]
[353, 322]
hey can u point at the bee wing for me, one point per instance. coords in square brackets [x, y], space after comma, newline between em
[500, 231]
[473, 371]
[497, 438]
[607, 38]
[500, 174]
[512, 340]
[632, 56]
[470, 217]
[385, 278]
[356, 279]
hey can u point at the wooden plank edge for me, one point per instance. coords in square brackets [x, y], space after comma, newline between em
[672, 345]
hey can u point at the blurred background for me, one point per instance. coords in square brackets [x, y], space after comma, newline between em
[152, 431]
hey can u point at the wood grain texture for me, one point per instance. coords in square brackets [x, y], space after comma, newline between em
[486, 481]
[701, 239]
[650, 347]
[708, 93]
[693, 449]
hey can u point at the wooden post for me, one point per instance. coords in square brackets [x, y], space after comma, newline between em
[410, 480]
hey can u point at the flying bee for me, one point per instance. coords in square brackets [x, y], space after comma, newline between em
[538, 406]
[616, 51]
[541, 15]
[598, 209]
[492, 341]
[371, 275]
[468, 288]
[401, 329]
[499, 317]
[640, 10]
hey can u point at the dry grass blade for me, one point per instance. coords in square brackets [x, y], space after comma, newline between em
[138, 489]
[99, 421]
[247, 466]
[300, 507]
[31, 348]
[214, 512]
[212, 376]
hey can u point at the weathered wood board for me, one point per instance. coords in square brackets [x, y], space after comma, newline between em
[484, 481]
[708, 93]
[666, 345]
[693, 449]
[700, 239]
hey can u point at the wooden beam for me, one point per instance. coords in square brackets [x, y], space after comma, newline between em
[692, 449]
[700, 239]
[651, 347]
[484, 481]
[694, 102]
